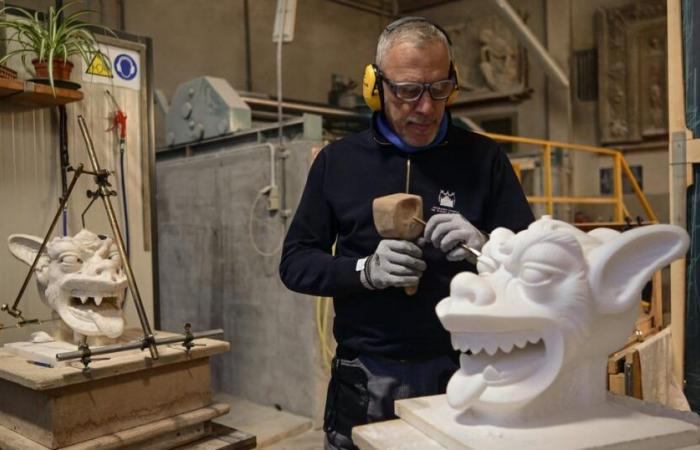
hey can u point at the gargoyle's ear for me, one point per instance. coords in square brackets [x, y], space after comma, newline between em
[620, 267]
[24, 247]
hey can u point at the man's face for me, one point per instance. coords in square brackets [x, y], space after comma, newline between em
[417, 122]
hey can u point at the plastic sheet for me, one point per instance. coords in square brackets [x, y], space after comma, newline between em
[692, 302]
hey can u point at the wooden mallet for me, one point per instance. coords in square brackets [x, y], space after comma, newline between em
[399, 216]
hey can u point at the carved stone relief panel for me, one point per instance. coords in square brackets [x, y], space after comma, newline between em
[632, 72]
[491, 63]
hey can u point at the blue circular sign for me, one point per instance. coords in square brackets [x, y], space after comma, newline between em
[125, 66]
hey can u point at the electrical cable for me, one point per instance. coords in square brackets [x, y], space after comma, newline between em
[322, 309]
[64, 159]
[119, 124]
[257, 249]
[124, 201]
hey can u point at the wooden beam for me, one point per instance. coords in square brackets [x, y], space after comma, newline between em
[676, 124]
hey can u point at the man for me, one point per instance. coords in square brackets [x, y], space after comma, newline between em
[390, 344]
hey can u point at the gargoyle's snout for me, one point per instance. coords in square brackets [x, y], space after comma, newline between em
[105, 269]
[469, 287]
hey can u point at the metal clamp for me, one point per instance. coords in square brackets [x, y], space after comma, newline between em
[141, 344]
[85, 358]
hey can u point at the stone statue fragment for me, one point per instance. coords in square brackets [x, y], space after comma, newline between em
[81, 278]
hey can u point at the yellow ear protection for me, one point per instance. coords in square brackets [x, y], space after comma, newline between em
[372, 89]
[371, 85]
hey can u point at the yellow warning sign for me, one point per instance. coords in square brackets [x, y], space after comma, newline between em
[98, 66]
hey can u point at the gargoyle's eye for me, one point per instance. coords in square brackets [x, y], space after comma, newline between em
[70, 259]
[70, 262]
[533, 274]
[114, 256]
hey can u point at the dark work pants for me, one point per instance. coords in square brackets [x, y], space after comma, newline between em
[363, 389]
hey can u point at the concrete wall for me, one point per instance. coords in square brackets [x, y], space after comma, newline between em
[219, 254]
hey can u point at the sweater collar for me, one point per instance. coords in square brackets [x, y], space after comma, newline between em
[386, 136]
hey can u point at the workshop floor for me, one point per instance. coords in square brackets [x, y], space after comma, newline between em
[273, 429]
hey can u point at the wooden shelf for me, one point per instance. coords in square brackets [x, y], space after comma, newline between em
[19, 95]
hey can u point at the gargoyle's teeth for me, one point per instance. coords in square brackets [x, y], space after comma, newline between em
[490, 374]
[83, 299]
[491, 347]
[534, 338]
[492, 343]
[98, 301]
[507, 347]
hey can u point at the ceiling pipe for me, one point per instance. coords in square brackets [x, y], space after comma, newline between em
[526, 36]
[366, 8]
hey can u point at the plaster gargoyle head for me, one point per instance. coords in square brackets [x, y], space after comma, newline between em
[549, 304]
[81, 278]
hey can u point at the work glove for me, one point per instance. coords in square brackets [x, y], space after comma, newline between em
[394, 264]
[448, 231]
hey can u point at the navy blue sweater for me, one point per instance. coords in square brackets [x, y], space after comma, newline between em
[466, 173]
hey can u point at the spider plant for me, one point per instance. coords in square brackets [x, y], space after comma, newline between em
[50, 37]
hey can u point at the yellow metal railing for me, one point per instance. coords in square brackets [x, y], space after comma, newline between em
[620, 168]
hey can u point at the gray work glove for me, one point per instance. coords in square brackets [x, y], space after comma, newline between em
[394, 263]
[447, 231]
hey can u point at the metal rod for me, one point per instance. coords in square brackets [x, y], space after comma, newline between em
[14, 312]
[508, 14]
[617, 188]
[557, 144]
[295, 106]
[408, 175]
[114, 348]
[248, 62]
[547, 174]
[27, 322]
[282, 4]
[105, 194]
[365, 8]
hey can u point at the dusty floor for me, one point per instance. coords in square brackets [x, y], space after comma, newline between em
[273, 429]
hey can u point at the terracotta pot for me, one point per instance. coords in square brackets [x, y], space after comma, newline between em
[61, 69]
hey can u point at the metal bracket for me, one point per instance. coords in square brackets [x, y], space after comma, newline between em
[678, 173]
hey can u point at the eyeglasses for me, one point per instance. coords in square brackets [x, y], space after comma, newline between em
[410, 92]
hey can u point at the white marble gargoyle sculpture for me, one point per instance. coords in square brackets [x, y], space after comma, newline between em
[81, 278]
[549, 304]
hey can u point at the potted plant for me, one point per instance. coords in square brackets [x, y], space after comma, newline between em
[50, 39]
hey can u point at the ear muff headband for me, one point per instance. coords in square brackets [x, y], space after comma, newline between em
[398, 22]
[371, 81]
